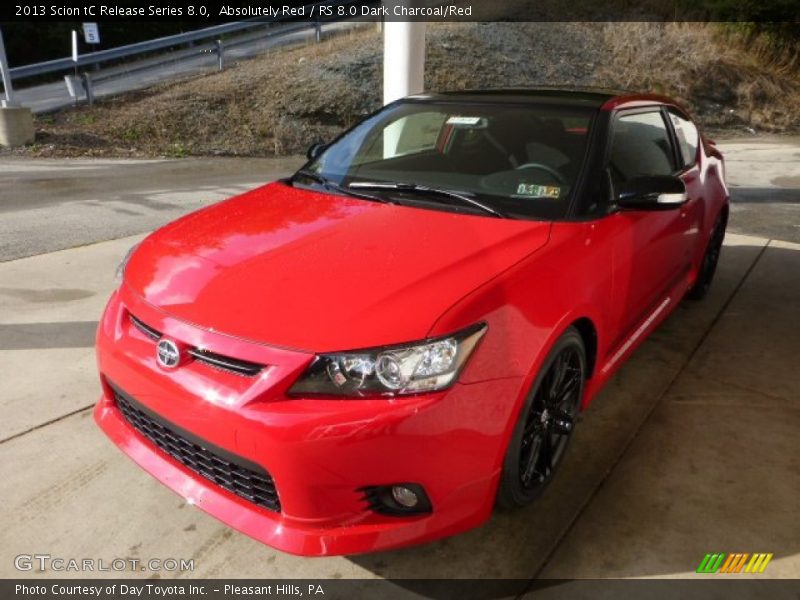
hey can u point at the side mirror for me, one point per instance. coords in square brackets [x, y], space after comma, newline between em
[653, 192]
[315, 150]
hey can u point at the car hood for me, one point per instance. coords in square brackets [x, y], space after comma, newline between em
[321, 272]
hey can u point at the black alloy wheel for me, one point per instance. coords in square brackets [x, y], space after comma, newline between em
[545, 424]
[710, 260]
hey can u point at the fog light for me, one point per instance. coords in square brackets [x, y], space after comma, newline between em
[398, 499]
[404, 496]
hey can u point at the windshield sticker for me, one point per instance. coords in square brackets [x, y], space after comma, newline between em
[471, 121]
[532, 190]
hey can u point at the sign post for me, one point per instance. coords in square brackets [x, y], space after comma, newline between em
[75, 47]
[75, 53]
[7, 86]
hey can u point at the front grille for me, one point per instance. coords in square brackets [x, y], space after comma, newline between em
[231, 472]
[211, 359]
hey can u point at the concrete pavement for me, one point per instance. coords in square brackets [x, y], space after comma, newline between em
[49, 307]
[691, 448]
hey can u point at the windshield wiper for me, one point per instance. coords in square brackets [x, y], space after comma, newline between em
[331, 185]
[424, 189]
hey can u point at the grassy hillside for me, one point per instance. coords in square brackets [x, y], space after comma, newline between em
[281, 102]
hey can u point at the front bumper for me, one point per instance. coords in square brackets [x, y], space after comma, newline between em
[320, 453]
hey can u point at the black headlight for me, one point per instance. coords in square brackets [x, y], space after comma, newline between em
[424, 366]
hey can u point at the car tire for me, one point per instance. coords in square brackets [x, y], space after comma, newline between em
[545, 423]
[710, 260]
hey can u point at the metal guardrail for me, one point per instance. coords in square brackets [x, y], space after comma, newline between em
[213, 46]
[82, 85]
[63, 64]
[92, 58]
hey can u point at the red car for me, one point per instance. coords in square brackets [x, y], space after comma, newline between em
[378, 350]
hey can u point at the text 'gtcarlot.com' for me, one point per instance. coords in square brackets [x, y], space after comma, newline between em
[45, 562]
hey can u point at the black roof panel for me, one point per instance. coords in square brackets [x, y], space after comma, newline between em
[581, 96]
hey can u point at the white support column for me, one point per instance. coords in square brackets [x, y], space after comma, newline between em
[403, 59]
[403, 67]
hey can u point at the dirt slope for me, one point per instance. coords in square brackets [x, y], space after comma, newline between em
[279, 103]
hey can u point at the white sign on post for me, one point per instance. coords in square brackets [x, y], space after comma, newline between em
[91, 33]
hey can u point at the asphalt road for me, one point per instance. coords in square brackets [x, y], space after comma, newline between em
[141, 74]
[48, 205]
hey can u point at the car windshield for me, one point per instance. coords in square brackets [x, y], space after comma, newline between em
[518, 161]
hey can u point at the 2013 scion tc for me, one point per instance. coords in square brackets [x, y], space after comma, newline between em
[383, 347]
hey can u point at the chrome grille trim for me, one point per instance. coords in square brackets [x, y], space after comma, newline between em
[211, 359]
[240, 367]
[153, 334]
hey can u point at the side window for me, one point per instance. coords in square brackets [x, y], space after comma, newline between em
[688, 137]
[640, 146]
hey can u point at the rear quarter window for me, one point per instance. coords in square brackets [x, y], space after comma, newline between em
[688, 137]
